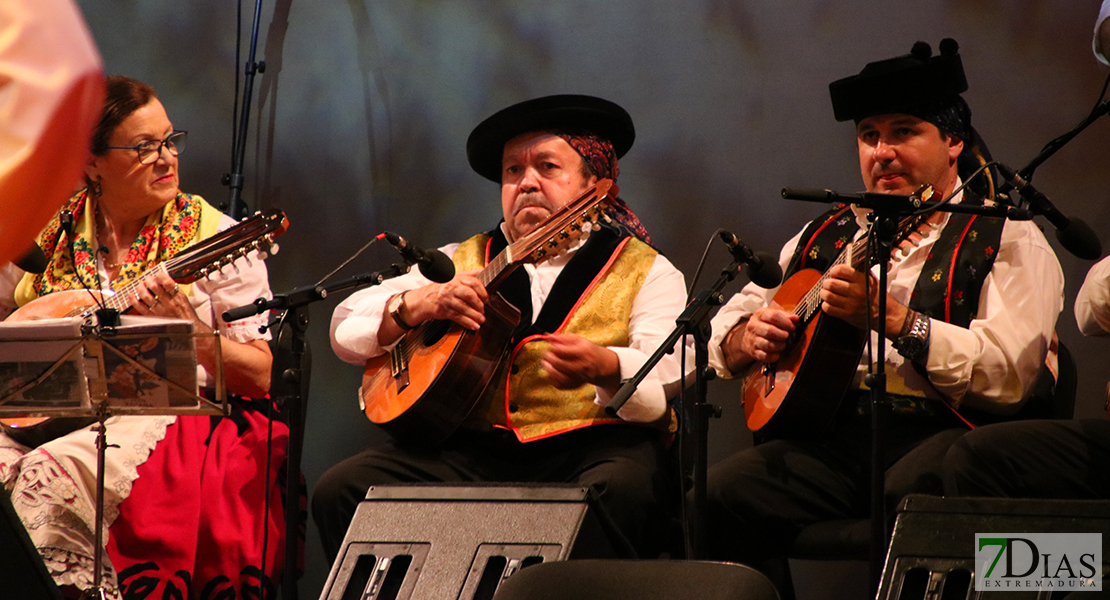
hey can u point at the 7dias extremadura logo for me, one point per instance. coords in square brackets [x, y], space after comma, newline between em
[1036, 561]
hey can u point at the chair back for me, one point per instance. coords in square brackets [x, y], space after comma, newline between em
[640, 579]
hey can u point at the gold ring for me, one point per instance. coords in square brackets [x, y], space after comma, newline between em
[173, 291]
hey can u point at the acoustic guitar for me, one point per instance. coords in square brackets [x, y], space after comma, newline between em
[432, 380]
[798, 396]
[209, 256]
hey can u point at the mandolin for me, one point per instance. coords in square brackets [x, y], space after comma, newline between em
[798, 396]
[431, 381]
[209, 256]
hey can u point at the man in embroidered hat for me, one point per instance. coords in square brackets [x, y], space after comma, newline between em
[588, 318]
[971, 307]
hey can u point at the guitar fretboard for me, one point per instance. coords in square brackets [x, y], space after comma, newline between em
[498, 265]
[121, 300]
[857, 253]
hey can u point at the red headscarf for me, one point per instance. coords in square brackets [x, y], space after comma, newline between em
[599, 153]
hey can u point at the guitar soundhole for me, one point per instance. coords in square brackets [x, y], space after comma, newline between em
[792, 340]
[435, 332]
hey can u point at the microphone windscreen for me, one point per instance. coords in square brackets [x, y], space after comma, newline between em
[769, 273]
[437, 267]
[1079, 239]
[806, 194]
[32, 261]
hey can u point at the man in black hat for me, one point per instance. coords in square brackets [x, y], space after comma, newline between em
[589, 318]
[970, 311]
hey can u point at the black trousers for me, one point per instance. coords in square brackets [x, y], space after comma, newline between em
[1032, 459]
[621, 464]
[759, 499]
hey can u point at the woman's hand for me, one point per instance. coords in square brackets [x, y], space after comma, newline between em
[160, 296]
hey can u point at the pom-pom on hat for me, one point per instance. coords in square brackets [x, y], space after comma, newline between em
[567, 113]
[904, 84]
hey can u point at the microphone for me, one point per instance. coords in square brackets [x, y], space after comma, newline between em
[763, 269]
[864, 199]
[33, 260]
[1073, 234]
[65, 219]
[106, 317]
[433, 264]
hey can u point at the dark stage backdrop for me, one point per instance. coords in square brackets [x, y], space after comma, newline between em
[358, 125]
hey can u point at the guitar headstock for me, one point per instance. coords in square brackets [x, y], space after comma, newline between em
[566, 226]
[857, 254]
[255, 233]
[907, 227]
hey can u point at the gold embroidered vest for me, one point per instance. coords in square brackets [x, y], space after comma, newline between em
[518, 397]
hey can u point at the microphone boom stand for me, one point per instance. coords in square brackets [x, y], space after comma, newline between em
[294, 308]
[1058, 143]
[234, 180]
[696, 411]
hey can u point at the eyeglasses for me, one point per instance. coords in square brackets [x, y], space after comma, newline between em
[151, 150]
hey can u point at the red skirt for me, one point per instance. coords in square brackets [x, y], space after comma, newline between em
[197, 523]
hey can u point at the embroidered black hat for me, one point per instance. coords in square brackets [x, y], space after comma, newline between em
[915, 83]
[562, 113]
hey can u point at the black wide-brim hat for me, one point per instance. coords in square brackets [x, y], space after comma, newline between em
[900, 84]
[569, 113]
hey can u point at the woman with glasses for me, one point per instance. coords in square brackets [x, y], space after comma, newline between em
[184, 496]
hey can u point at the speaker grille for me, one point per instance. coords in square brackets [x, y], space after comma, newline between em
[459, 542]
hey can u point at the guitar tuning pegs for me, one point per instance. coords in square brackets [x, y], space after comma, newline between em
[228, 260]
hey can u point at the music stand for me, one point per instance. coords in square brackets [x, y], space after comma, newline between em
[74, 368]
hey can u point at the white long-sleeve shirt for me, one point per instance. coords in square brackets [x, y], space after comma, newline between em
[1100, 52]
[1092, 304]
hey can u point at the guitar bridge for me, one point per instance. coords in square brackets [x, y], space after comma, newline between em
[399, 367]
[768, 373]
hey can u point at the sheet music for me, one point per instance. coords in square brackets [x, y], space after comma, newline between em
[29, 349]
[69, 364]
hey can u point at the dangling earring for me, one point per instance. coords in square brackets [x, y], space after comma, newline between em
[95, 189]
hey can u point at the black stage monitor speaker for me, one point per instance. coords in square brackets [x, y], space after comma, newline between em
[932, 551]
[436, 542]
[22, 572]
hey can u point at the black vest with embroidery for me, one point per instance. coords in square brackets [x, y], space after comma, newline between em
[952, 276]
